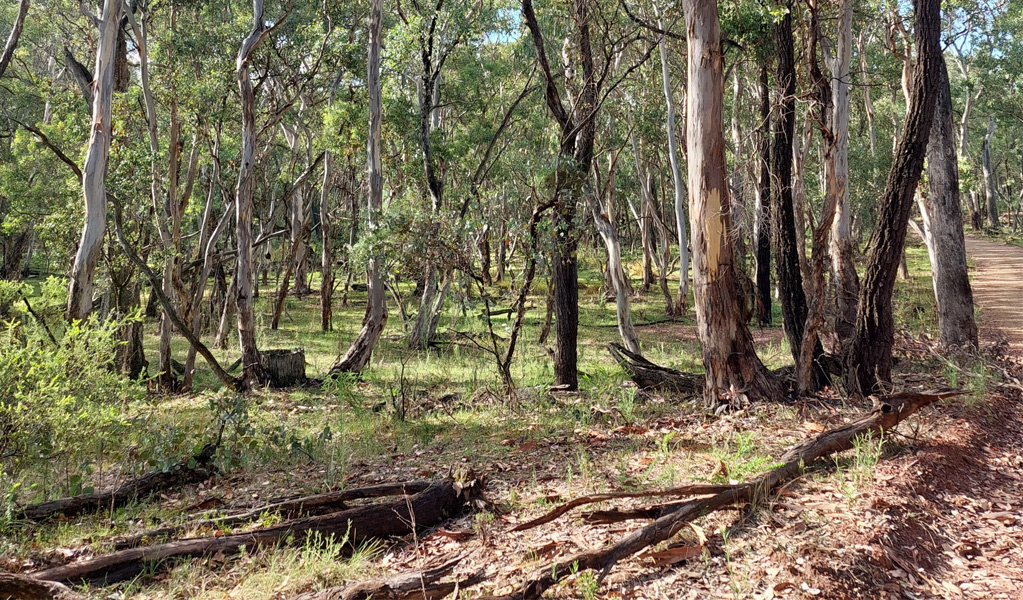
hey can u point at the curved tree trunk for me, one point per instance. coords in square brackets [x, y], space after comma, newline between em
[734, 372]
[617, 273]
[869, 362]
[94, 171]
[359, 353]
[943, 227]
[12, 38]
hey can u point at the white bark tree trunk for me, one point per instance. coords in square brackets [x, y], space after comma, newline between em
[94, 171]
[847, 285]
[990, 193]
[676, 178]
[617, 273]
[253, 371]
[361, 350]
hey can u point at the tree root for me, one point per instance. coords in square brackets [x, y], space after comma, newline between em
[648, 375]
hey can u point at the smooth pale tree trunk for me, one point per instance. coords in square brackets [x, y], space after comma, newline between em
[786, 242]
[762, 215]
[617, 273]
[299, 222]
[734, 373]
[738, 184]
[663, 255]
[868, 104]
[327, 251]
[943, 227]
[678, 185]
[12, 38]
[361, 350]
[94, 171]
[990, 192]
[253, 373]
[643, 220]
[869, 362]
[207, 247]
[843, 246]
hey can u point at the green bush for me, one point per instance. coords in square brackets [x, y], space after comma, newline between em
[61, 404]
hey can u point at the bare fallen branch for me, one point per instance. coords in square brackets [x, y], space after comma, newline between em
[648, 375]
[319, 504]
[889, 411]
[399, 517]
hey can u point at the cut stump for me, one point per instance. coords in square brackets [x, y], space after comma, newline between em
[286, 367]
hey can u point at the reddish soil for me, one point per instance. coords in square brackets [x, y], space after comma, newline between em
[998, 289]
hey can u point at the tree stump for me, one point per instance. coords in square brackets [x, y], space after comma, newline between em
[286, 367]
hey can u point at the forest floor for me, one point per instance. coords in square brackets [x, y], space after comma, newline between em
[936, 512]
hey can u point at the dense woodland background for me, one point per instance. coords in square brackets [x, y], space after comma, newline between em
[315, 233]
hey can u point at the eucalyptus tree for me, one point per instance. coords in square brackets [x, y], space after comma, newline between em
[585, 89]
[94, 171]
[252, 367]
[12, 38]
[943, 226]
[843, 243]
[734, 373]
[361, 350]
[870, 358]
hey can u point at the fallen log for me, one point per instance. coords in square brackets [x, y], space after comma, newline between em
[888, 412]
[191, 470]
[399, 517]
[422, 585]
[650, 376]
[20, 587]
[318, 504]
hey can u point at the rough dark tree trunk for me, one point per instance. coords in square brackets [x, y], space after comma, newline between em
[762, 224]
[869, 363]
[786, 251]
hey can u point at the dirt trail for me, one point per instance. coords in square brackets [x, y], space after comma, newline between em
[998, 289]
